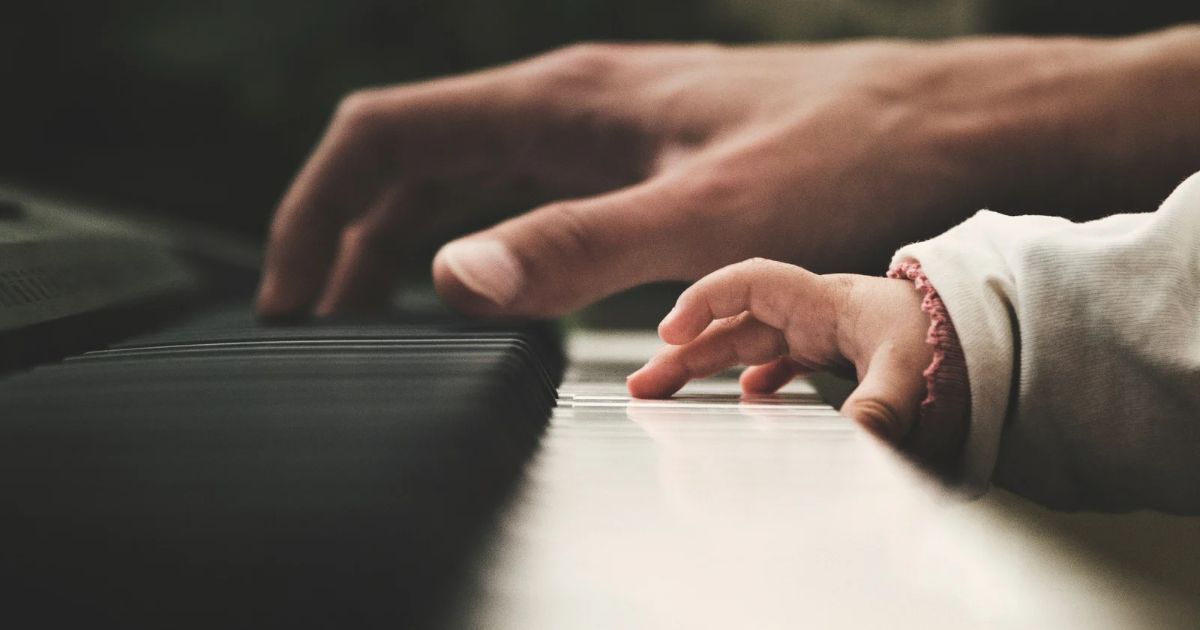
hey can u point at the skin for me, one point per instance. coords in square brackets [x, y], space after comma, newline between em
[667, 162]
[784, 321]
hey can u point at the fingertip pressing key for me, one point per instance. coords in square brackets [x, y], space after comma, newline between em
[659, 378]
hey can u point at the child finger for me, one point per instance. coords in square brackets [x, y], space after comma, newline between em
[887, 399]
[770, 377]
[773, 292]
[738, 340]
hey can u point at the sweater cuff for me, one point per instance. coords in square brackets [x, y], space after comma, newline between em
[947, 388]
[974, 280]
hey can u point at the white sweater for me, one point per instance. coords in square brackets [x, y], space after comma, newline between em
[1082, 345]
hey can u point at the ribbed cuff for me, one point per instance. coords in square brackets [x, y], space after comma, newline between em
[947, 388]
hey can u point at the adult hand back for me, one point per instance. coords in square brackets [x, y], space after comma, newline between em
[665, 162]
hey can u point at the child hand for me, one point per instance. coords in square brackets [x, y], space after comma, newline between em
[784, 321]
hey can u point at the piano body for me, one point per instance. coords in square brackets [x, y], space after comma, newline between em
[168, 461]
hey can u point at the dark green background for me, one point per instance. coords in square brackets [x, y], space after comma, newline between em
[203, 110]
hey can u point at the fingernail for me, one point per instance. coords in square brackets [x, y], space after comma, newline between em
[485, 266]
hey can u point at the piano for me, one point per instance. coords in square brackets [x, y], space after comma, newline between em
[170, 461]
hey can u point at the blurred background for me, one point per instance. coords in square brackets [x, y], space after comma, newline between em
[203, 111]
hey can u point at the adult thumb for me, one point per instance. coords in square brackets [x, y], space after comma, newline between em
[567, 254]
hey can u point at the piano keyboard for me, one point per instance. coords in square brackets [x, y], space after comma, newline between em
[224, 474]
[398, 474]
[711, 510]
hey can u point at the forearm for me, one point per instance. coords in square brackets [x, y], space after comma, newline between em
[1080, 127]
[1081, 346]
[1142, 132]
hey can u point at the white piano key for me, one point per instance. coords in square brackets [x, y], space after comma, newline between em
[712, 512]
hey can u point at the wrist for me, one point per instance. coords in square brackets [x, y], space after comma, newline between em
[945, 410]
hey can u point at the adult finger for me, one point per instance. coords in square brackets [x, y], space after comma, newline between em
[340, 179]
[369, 258]
[499, 125]
[739, 340]
[567, 254]
[380, 138]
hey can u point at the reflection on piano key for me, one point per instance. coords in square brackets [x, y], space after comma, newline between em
[715, 511]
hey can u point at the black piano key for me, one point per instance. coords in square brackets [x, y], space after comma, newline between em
[222, 473]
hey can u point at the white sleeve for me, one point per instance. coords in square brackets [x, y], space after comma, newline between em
[1082, 345]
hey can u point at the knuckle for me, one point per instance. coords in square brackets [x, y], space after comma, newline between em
[358, 108]
[363, 237]
[736, 322]
[586, 63]
[724, 188]
[770, 301]
[574, 230]
[756, 266]
[739, 274]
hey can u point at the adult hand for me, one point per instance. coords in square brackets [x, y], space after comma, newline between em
[665, 162]
[785, 321]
